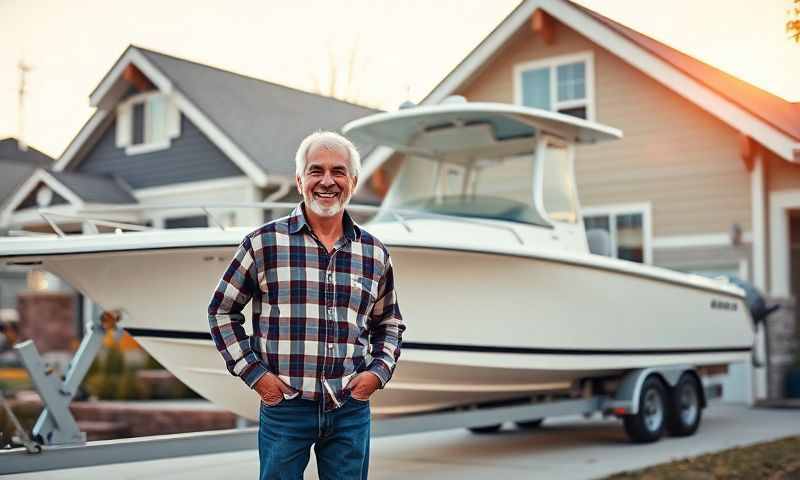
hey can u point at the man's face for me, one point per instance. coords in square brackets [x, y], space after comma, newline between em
[326, 184]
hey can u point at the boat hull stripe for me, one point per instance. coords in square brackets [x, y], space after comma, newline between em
[153, 333]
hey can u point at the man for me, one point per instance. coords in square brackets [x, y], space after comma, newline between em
[326, 325]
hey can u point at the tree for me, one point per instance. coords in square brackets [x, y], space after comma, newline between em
[793, 25]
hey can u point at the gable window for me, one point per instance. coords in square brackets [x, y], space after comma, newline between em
[628, 229]
[563, 84]
[147, 122]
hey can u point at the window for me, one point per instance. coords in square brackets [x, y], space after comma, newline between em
[147, 122]
[186, 222]
[560, 84]
[628, 229]
[558, 190]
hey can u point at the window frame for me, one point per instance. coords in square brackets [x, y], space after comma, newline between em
[552, 63]
[612, 211]
[125, 120]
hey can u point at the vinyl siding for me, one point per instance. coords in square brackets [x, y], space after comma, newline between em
[703, 258]
[673, 154]
[191, 157]
[781, 175]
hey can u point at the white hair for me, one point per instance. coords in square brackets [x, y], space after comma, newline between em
[329, 141]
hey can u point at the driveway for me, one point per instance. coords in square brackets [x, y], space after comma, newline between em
[567, 448]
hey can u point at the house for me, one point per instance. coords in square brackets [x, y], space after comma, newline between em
[17, 163]
[707, 176]
[170, 131]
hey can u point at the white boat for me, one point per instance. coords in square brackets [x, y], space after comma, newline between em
[500, 293]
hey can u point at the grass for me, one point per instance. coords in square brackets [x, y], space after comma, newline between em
[776, 460]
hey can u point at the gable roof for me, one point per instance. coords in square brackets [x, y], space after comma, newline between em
[96, 188]
[776, 111]
[266, 119]
[258, 124]
[18, 165]
[9, 150]
[78, 189]
[768, 119]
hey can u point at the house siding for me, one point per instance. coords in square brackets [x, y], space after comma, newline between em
[673, 154]
[191, 157]
[703, 258]
[781, 175]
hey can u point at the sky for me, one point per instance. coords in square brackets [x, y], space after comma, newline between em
[391, 50]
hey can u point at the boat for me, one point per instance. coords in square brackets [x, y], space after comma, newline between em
[500, 291]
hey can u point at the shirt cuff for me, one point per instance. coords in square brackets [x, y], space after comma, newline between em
[379, 369]
[253, 374]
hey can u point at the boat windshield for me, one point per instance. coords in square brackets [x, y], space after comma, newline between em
[486, 188]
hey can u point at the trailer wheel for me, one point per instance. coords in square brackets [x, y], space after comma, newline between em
[648, 425]
[530, 424]
[486, 429]
[685, 407]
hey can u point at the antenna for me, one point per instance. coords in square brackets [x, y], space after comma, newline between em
[23, 70]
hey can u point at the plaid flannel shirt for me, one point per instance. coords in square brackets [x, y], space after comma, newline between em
[318, 318]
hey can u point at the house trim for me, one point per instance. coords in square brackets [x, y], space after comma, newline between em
[551, 62]
[720, 239]
[758, 221]
[779, 205]
[631, 53]
[194, 114]
[192, 187]
[645, 208]
[39, 176]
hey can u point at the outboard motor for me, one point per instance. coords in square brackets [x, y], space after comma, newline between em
[759, 310]
[758, 307]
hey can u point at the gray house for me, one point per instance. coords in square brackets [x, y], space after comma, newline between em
[17, 164]
[166, 131]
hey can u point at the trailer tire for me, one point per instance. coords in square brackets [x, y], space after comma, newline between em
[648, 424]
[530, 424]
[685, 406]
[486, 429]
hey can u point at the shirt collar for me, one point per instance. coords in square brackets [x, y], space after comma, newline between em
[297, 221]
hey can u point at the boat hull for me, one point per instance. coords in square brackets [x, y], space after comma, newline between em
[525, 325]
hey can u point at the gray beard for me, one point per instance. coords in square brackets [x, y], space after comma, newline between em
[322, 211]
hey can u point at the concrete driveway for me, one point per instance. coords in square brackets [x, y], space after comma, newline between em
[567, 448]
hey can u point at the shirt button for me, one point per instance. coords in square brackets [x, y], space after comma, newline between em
[330, 346]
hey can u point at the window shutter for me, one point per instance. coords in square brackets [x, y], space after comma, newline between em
[124, 125]
[173, 120]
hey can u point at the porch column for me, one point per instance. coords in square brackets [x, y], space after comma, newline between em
[758, 221]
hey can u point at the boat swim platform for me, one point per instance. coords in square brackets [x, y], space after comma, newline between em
[565, 448]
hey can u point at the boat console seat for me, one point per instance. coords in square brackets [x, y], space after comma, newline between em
[599, 242]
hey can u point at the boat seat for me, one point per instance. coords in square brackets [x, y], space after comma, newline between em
[599, 242]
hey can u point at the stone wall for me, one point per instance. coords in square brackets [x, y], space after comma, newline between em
[782, 338]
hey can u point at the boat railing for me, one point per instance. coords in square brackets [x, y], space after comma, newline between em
[90, 216]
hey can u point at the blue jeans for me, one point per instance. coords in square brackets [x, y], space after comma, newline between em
[340, 438]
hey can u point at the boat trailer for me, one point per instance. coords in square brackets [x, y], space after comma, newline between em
[57, 442]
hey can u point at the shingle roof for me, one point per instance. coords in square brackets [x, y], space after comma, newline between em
[266, 120]
[17, 165]
[96, 188]
[780, 113]
[9, 150]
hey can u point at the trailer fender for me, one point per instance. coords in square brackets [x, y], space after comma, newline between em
[626, 398]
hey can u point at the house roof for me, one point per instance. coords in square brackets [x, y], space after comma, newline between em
[267, 120]
[778, 112]
[17, 166]
[770, 120]
[96, 188]
[259, 124]
[9, 150]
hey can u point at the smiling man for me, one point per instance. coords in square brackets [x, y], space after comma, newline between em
[326, 325]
